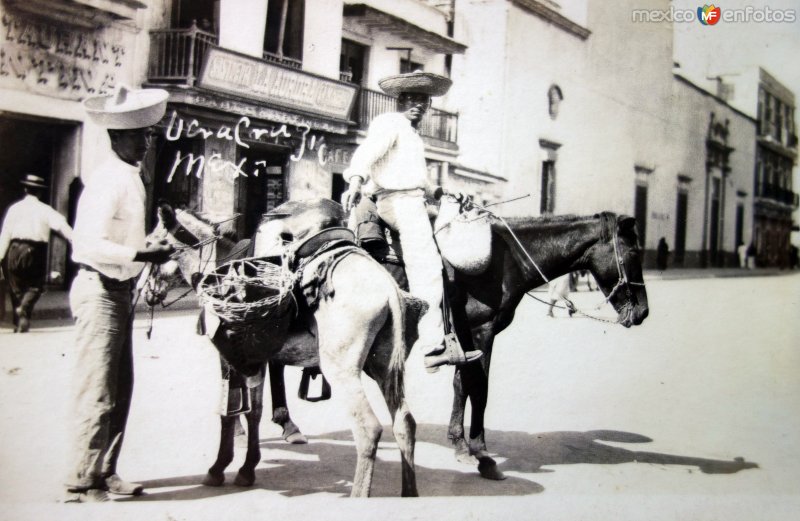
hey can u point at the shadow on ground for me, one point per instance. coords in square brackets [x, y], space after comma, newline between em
[327, 464]
[527, 452]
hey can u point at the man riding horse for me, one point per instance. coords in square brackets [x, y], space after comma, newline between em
[389, 167]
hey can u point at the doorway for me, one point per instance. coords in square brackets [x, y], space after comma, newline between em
[47, 148]
[263, 189]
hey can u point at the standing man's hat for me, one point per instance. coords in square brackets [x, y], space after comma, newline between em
[33, 181]
[417, 82]
[127, 108]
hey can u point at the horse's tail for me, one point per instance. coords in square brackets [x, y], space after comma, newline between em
[397, 360]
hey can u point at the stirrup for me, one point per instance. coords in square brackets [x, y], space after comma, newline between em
[450, 354]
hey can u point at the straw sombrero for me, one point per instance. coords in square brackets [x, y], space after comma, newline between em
[417, 81]
[33, 181]
[127, 108]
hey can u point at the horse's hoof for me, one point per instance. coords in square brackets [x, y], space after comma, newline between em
[214, 480]
[462, 452]
[245, 478]
[488, 469]
[296, 438]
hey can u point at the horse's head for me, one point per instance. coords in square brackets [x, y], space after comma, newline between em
[616, 263]
[295, 221]
[194, 241]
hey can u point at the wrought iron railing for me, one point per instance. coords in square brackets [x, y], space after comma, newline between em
[437, 123]
[294, 63]
[176, 55]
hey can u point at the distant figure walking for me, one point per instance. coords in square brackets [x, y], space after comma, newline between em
[751, 256]
[662, 253]
[741, 251]
[558, 290]
[23, 247]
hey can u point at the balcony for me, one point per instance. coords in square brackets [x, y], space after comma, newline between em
[437, 124]
[778, 194]
[176, 55]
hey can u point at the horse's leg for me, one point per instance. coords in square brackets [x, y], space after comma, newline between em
[404, 428]
[216, 474]
[280, 412]
[344, 341]
[247, 474]
[456, 430]
[476, 382]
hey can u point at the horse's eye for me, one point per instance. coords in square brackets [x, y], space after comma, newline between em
[287, 237]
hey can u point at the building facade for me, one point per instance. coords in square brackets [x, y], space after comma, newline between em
[52, 55]
[575, 103]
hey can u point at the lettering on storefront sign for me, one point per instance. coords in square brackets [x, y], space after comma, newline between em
[278, 135]
[244, 76]
[48, 58]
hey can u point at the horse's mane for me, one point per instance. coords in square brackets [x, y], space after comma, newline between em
[523, 224]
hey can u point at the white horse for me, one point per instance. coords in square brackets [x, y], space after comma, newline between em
[357, 327]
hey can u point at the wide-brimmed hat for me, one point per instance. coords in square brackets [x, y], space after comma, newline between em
[418, 82]
[127, 108]
[33, 181]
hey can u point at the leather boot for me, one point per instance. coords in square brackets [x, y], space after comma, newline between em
[450, 353]
[117, 485]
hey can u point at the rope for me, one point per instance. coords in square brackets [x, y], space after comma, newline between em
[575, 310]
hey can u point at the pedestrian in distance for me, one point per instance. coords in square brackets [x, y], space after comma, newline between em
[109, 247]
[390, 167]
[23, 248]
[741, 251]
[558, 290]
[751, 256]
[662, 254]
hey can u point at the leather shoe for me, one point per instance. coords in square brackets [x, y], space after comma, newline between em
[450, 354]
[117, 485]
[24, 322]
[92, 495]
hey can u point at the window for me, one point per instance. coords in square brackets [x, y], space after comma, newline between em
[284, 35]
[352, 62]
[548, 199]
[205, 13]
[406, 65]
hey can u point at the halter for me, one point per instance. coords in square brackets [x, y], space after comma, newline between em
[622, 273]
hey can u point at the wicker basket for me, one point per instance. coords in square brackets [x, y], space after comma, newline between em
[246, 290]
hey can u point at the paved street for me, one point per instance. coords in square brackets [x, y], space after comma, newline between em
[589, 421]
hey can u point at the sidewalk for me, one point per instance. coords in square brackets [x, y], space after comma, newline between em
[55, 304]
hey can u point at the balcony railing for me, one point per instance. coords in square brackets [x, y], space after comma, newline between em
[438, 124]
[778, 194]
[176, 55]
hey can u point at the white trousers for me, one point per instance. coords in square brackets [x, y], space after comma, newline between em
[405, 213]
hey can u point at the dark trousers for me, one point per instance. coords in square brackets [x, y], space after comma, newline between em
[26, 269]
[102, 375]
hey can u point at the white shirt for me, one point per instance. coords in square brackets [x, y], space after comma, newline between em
[392, 157]
[30, 219]
[109, 228]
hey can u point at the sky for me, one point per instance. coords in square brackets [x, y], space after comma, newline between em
[729, 48]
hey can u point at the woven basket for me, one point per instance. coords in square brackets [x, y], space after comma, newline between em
[247, 290]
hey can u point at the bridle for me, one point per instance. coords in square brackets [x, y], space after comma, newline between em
[622, 273]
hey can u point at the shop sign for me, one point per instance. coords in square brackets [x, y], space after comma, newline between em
[231, 73]
[43, 57]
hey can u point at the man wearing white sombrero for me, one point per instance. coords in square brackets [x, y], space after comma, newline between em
[23, 248]
[390, 165]
[109, 247]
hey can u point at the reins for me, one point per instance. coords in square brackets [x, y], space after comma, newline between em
[622, 273]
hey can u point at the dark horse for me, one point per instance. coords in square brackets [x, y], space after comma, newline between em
[524, 255]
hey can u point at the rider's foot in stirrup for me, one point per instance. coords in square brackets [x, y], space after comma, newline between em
[449, 353]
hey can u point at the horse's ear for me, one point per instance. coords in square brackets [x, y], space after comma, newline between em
[626, 223]
[166, 214]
